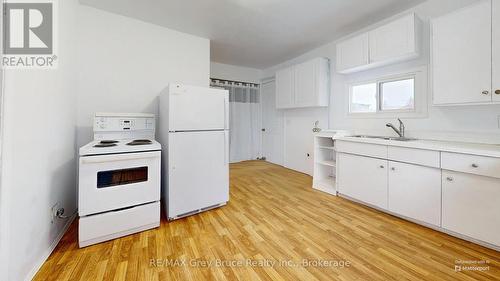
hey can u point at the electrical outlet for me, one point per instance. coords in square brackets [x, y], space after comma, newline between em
[53, 212]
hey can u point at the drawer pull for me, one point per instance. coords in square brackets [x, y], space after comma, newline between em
[475, 166]
[449, 179]
[382, 166]
[485, 92]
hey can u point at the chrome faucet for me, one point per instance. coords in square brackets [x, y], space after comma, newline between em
[401, 131]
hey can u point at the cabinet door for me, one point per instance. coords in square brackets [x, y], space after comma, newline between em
[415, 192]
[496, 50]
[352, 53]
[285, 88]
[394, 41]
[471, 206]
[363, 178]
[461, 56]
[306, 93]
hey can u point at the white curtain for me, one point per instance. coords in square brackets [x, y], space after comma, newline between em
[244, 119]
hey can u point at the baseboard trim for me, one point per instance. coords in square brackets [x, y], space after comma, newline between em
[49, 251]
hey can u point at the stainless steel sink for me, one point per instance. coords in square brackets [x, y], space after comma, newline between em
[384, 138]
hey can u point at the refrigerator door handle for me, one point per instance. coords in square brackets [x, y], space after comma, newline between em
[226, 147]
[226, 113]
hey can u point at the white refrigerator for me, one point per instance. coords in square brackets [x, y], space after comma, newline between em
[194, 133]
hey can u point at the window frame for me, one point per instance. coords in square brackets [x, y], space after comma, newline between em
[380, 93]
[420, 107]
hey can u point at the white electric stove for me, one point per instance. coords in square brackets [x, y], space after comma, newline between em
[119, 178]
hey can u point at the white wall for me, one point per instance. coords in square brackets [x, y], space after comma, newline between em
[39, 117]
[235, 73]
[125, 63]
[298, 123]
[106, 63]
[467, 123]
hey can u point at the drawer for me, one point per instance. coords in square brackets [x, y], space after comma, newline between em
[422, 157]
[472, 164]
[365, 149]
[106, 226]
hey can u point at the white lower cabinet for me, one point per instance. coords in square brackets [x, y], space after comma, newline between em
[415, 192]
[363, 178]
[471, 206]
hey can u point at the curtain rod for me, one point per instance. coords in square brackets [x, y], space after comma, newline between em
[232, 81]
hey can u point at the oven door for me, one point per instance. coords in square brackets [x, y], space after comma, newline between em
[111, 182]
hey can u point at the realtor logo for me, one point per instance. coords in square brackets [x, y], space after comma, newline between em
[28, 34]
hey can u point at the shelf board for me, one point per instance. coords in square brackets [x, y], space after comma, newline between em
[330, 163]
[326, 147]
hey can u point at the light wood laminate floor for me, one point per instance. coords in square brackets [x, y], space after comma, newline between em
[274, 215]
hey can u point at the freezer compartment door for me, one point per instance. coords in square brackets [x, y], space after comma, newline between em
[198, 171]
[198, 110]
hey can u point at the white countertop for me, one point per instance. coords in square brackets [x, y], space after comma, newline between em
[447, 146]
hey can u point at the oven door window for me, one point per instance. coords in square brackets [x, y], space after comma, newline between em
[121, 177]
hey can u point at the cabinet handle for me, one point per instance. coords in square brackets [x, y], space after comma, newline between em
[475, 166]
[485, 92]
[393, 169]
[449, 179]
[497, 92]
[382, 166]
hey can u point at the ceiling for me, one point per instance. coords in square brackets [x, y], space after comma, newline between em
[258, 33]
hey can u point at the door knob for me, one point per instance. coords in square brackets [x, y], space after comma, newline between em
[497, 92]
[486, 92]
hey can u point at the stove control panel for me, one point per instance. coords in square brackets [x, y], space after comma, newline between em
[123, 123]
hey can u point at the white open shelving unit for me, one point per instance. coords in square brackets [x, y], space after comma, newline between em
[325, 165]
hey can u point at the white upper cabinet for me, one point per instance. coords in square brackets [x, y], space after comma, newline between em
[285, 88]
[394, 42]
[303, 85]
[496, 52]
[353, 54]
[462, 56]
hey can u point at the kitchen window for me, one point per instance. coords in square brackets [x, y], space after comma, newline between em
[396, 95]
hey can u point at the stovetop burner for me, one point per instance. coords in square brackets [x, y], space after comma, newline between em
[106, 143]
[140, 142]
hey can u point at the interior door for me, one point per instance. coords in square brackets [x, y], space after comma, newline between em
[496, 50]
[191, 110]
[461, 55]
[272, 123]
[198, 166]
[305, 83]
